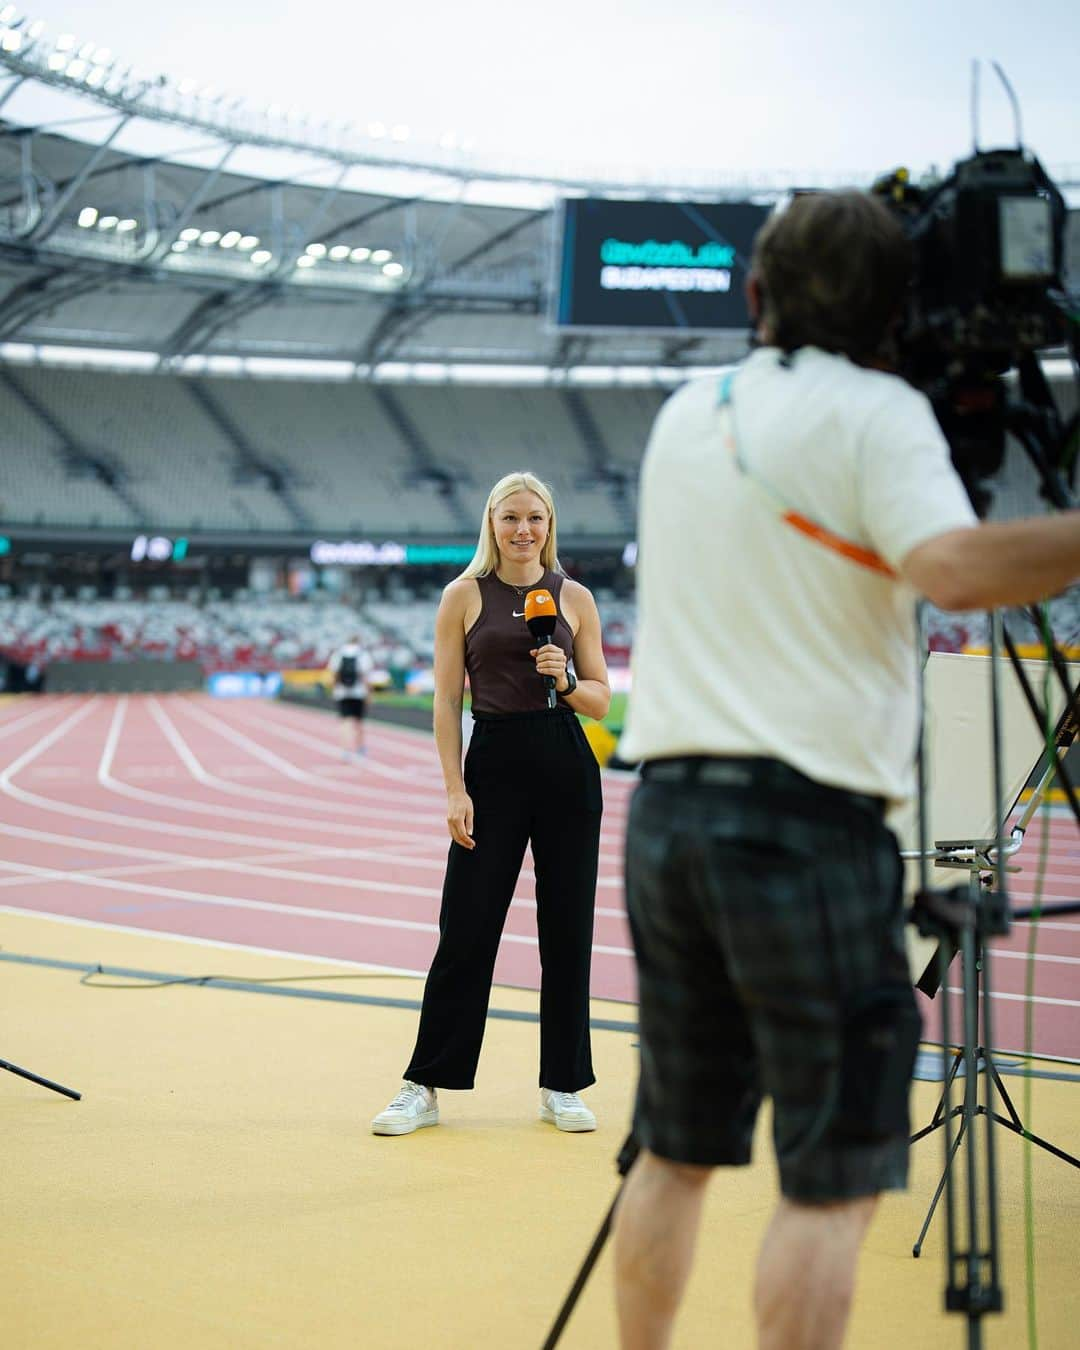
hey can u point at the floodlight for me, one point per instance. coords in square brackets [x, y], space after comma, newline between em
[187, 87]
[339, 252]
[108, 222]
[126, 225]
[360, 254]
[64, 42]
[96, 77]
[88, 217]
[35, 30]
[76, 69]
[247, 241]
[209, 237]
[180, 246]
[306, 260]
[57, 61]
[86, 51]
[316, 250]
[381, 255]
[12, 41]
[7, 13]
[230, 239]
[392, 269]
[260, 256]
[190, 234]
[103, 57]
[400, 133]
[376, 130]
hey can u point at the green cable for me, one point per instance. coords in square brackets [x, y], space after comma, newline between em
[1029, 1004]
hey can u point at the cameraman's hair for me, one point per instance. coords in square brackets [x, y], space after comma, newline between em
[833, 269]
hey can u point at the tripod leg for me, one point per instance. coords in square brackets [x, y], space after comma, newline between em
[1042, 1143]
[1014, 1122]
[583, 1274]
[937, 1120]
[917, 1249]
[42, 1082]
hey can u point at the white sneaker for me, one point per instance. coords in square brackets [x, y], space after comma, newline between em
[414, 1107]
[566, 1111]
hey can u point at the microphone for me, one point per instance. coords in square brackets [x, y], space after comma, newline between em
[540, 616]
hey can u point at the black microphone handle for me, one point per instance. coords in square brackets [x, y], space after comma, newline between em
[541, 639]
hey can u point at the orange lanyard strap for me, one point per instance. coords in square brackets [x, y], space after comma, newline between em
[811, 529]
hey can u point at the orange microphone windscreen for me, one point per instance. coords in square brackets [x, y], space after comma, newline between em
[539, 604]
[540, 614]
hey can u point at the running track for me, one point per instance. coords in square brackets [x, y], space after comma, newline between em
[237, 822]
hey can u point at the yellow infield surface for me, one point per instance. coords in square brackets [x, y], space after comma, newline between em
[217, 1186]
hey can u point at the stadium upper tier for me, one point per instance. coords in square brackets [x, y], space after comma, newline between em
[95, 449]
[142, 253]
[187, 222]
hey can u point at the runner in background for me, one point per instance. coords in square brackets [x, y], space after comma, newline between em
[351, 665]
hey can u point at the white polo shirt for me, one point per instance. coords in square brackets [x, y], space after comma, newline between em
[753, 637]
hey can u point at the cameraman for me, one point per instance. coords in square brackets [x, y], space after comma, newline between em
[790, 516]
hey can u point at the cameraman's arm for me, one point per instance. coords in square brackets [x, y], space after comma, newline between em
[1010, 562]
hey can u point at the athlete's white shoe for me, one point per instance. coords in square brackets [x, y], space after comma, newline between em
[566, 1110]
[414, 1107]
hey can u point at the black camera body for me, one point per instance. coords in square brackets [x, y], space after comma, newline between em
[987, 294]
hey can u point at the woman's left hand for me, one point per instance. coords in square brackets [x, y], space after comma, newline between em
[551, 660]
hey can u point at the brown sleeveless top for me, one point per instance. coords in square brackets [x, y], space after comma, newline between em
[502, 675]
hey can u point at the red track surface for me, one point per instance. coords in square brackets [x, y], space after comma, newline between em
[238, 822]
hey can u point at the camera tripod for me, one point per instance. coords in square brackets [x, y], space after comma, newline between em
[976, 1054]
[41, 1082]
[963, 919]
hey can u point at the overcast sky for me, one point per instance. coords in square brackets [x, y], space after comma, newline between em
[647, 84]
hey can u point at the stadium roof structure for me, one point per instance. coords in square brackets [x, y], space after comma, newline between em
[242, 236]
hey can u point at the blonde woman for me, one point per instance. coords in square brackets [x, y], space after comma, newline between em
[528, 777]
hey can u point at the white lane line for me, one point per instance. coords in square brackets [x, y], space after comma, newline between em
[1023, 998]
[194, 767]
[44, 742]
[248, 868]
[619, 782]
[8, 727]
[422, 797]
[265, 906]
[131, 822]
[308, 800]
[1038, 956]
[103, 926]
[361, 810]
[606, 859]
[408, 742]
[145, 795]
[241, 862]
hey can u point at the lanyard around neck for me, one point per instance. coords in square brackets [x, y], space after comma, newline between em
[812, 529]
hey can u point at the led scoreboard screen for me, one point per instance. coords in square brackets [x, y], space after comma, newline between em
[655, 264]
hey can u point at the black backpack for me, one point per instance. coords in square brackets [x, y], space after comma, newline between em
[347, 670]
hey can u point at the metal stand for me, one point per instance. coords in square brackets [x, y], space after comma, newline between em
[980, 1061]
[42, 1082]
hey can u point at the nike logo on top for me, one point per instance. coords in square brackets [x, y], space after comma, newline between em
[515, 615]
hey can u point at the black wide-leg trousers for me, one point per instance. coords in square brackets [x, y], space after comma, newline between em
[532, 777]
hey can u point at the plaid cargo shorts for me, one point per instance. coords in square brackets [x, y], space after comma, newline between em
[767, 918]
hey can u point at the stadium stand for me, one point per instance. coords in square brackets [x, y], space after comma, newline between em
[282, 455]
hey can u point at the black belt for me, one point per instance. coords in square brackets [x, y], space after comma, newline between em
[755, 773]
